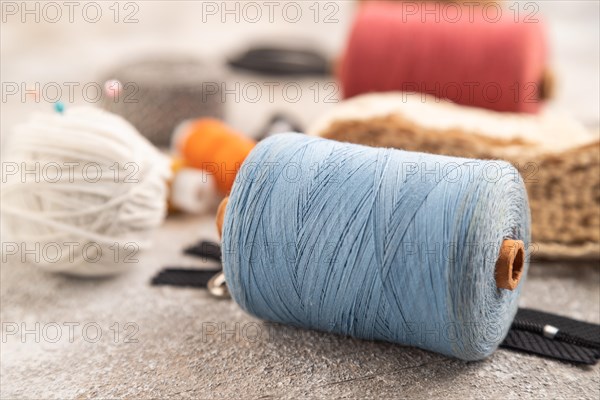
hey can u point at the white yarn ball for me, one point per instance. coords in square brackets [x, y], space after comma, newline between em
[82, 192]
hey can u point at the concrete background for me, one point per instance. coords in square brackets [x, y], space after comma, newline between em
[169, 357]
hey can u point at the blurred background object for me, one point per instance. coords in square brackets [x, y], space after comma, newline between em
[281, 61]
[558, 159]
[156, 94]
[36, 53]
[209, 144]
[454, 51]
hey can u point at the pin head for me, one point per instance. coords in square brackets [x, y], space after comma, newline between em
[113, 88]
[59, 107]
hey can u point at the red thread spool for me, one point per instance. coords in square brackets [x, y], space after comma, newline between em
[473, 55]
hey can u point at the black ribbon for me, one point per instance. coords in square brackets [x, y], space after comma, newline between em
[554, 336]
[192, 277]
[206, 250]
[184, 277]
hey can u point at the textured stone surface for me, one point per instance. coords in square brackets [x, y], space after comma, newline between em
[172, 358]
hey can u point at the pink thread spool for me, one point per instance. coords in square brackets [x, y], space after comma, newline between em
[483, 56]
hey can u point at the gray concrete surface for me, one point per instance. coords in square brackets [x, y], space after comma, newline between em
[172, 358]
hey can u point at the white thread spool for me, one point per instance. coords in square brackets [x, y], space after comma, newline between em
[84, 190]
[193, 190]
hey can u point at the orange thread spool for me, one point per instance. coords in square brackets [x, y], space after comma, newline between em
[211, 145]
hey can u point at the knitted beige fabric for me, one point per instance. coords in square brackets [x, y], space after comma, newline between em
[558, 159]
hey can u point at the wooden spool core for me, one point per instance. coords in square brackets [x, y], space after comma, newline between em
[509, 267]
[221, 215]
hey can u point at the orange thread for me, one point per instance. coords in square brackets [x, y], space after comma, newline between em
[214, 147]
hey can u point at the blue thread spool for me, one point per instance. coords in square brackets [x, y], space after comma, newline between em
[378, 243]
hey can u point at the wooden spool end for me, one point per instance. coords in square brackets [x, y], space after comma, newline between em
[221, 215]
[510, 264]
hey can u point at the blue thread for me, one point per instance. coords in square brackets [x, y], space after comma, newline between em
[375, 243]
